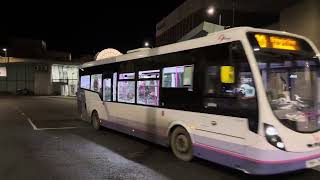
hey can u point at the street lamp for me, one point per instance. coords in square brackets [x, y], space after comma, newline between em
[146, 44]
[5, 52]
[211, 10]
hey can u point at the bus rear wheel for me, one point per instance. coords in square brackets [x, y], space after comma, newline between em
[181, 144]
[95, 120]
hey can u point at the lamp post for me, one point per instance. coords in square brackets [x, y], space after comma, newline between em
[5, 54]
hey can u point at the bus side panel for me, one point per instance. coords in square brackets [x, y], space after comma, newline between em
[260, 158]
[153, 123]
[140, 121]
[94, 102]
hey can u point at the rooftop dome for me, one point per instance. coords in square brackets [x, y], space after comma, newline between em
[107, 53]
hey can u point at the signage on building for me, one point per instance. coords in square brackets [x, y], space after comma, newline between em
[3, 71]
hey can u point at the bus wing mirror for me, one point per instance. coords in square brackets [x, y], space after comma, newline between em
[227, 74]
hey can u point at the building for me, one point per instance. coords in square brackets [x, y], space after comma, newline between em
[28, 64]
[41, 77]
[191, 19]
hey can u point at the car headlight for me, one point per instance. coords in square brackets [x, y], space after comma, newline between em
[273, 137]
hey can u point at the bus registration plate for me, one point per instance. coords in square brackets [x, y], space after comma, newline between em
[313, 163]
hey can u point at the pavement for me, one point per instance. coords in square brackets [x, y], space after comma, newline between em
[43, 138]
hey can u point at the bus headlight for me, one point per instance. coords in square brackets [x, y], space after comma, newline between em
[273, 137]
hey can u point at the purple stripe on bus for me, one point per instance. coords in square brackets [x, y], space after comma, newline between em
[245, 165]
[224, 157]
[255, 154]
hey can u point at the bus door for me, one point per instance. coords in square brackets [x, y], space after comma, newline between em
[229, 102]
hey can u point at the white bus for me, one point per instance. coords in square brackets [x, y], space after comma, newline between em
[245, 98]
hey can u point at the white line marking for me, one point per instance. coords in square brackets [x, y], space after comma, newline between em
[31, 123]
[62, 128]
[34, 127]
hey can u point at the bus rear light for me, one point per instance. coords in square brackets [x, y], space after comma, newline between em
[273, 137]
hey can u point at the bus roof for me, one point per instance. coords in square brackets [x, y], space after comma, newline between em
[220, 37]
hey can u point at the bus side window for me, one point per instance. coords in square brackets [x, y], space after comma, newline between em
[178, 77]
[148, 87]
[107, 89]
[114, 86]
[96, 83]
[126, 88]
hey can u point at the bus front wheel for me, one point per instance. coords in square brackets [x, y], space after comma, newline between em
[95, 120]
[181, 144]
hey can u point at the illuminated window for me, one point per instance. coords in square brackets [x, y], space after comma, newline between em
[115, 77]
[85, 82]
[126, 91]
[149, 74]
[107, 89]
[125, 76]
[148, 87]
[3, 72]
[96, 82]
[148, 92]
[177, 77]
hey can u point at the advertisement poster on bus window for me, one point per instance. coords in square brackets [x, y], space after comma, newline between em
[3, 71]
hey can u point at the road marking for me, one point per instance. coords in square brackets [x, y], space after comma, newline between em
[31, 123]
[62, 128]
[34, 127]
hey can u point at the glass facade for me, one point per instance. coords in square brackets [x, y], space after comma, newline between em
[65, 79]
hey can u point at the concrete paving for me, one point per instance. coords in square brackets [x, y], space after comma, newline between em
[83, 153]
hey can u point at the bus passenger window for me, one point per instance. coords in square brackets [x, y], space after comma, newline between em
[96, 82]
[107, 89]
[114, 86]
[126, 88]
[148, 87]
[178, 77]
[85, 82]
[148, 92]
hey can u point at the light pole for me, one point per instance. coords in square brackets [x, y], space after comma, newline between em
[5, 54]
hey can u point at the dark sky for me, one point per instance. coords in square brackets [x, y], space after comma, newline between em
[85, 27]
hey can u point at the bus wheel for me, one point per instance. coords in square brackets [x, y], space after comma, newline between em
[95, 120]
[181, 144]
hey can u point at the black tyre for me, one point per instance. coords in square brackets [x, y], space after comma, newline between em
[181, 144]
[95, 120]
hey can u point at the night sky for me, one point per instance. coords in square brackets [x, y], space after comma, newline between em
[86, 27]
